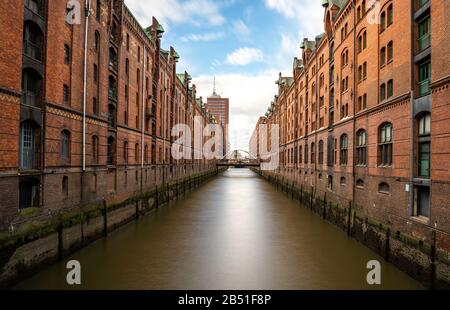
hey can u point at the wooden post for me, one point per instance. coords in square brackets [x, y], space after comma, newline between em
[349, 218]
[387, 246]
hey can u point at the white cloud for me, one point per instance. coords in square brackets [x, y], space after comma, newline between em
[241, 30]
[250, 96]
[244, 56]
[306, 13]
[197, 12]
[205, 37]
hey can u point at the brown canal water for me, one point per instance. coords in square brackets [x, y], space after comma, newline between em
[235, 232]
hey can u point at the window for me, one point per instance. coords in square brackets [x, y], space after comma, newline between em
[29, 194]
[390, 15]
[390, 88]
[313, 153]
[360, 183]
[146, 154]
[65, 186]
[95, 74]
[385, 145]
[390, 51]
[31, 88]
[384, 188]
[320, 152]
[361, 148]
[383, 92]
[110, 154]
[424, 79]
[306, 153]
[344, 150]
[66, 54]
[424, 146]
[128, 42]
[36, 6]
[127, 68]
[97, 41]
[383, 22]
[125, 152]
[424, 39]
[343, 181]
[66, 94]
[383, 57]
[139, 54]
[300, 153]
[33, 39]
[136, 153]
[94, 151]
[28, 146]
[65, 146]
[94, 105]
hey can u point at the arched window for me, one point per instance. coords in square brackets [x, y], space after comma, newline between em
[33, 39]
[384, 188]
[29, 145]
[343, 181]
[385, 145]
[383, 56]
[97, 41]
[94, 151]
[344, 150]
[111, 115]
[36, 6]
[383, 92]
[390, 88]
[361, 148]
[390, 51]
[390, 15]
[306, 153]
[360, 183]
[424, 144]
[65, 146]
[300, 154]
[382, 22]
[111, 150]
[31, 88]
[313, 153]
[146, 153]
[125, 152]
[136, 153]
[321, 152]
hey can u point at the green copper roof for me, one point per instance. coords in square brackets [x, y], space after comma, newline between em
[160, 29]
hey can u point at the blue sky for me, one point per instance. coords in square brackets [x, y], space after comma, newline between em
[244, 43]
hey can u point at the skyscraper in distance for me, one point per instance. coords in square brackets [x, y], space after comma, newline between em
[220, 108]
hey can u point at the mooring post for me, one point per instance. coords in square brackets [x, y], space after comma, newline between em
[349, 218]
[387, 246]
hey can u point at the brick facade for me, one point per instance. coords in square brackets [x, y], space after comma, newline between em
[133, 98]
[368, 70]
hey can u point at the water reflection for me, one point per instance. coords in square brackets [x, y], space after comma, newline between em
[235, 232]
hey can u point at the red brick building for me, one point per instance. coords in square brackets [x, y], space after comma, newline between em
[220, 108]
[87, 108]
[364, 118]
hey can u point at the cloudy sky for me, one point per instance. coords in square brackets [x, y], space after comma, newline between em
[244, 43]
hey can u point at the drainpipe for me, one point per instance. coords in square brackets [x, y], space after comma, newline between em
[86, 28]
[354, 111]
[164, 129]
[143, 110]
[411, 146]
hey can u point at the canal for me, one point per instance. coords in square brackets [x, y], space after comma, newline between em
[235, 232]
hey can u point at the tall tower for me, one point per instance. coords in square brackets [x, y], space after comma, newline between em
[220, 108]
